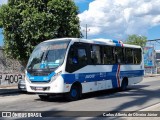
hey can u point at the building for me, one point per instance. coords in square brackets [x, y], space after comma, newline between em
[150, 60]
[158, 61]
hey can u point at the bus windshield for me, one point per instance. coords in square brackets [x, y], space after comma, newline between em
[48, 55]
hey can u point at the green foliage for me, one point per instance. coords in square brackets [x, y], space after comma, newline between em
[136, 40]
[28, 22]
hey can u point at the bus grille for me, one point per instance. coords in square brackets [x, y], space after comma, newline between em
[40, 82]
[40, 74]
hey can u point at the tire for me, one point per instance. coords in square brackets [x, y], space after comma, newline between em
[124, 85]
[74, 94]
[44, 97]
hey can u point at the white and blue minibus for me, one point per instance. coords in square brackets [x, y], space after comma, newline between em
[73, 66]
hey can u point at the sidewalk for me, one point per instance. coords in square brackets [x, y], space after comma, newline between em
[155, 107]
[151, 75]
[9, 89]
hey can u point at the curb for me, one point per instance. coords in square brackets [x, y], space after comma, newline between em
[9, 92]
[152, 75]
[151, 108]
[8, 86]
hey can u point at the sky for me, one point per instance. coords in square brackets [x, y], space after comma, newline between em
[116, 19]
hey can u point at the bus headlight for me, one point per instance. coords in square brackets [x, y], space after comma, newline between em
[55, 76]
[27, 79]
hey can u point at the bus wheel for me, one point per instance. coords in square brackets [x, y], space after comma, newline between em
[44, 97]
[124, 84]
[74, 94]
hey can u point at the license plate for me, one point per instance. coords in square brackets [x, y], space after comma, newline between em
[39, 88]
[22, 87]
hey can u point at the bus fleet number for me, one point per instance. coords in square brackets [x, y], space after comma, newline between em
[11, 78]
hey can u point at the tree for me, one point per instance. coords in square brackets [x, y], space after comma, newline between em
[28, 22]
[136, 40]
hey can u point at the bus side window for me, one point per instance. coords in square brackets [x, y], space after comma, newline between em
[97, 56]
[119, 56]
[82, 56]
[77, 58]
[108, 57]
[128, 56]
[137, 56]
[72, 59]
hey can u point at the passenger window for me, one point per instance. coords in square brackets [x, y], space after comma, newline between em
[82, 56]
[119, 55]
[108, 57]
[97, 58]
[137, 56]
[72, 59]
[128, 56]
[77, 58]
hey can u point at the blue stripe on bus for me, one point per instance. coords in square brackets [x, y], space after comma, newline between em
[40, 78]
[113, 75]
[90, 77]
[99, 76]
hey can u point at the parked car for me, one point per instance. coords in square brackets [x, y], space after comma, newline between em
[22, 85]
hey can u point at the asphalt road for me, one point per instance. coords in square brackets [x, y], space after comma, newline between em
[137, 97]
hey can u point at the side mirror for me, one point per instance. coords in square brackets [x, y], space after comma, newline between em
[93, 54]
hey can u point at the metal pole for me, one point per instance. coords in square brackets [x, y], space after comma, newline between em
[86, 31]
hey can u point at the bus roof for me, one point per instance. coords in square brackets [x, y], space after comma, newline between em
[97, 41]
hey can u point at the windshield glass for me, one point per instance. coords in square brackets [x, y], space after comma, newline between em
[48, 55]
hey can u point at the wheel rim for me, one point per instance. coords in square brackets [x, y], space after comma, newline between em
[73, 93]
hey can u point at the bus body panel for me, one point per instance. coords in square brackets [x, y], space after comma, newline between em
[98, 77]
[134, 80]
[57, 86]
